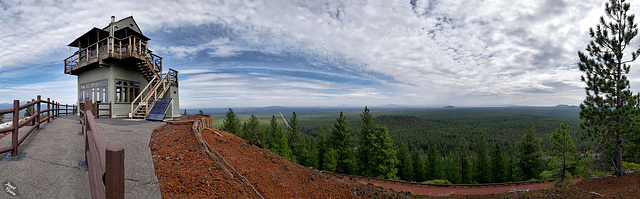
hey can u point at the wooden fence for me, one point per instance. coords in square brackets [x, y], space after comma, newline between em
[36, 118]
[105, 162]
[99, 109]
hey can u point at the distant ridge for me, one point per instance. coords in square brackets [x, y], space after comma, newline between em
[449, 107]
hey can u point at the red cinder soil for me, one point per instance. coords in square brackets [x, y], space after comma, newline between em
[184, 171]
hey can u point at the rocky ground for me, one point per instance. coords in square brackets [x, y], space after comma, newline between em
[184, 171]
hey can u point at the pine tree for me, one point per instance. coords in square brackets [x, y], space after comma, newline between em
[434, 169]
[405, 166]
[529, 152]
[364, 144]
[418, 166]
[341, 142]
[499, 164]
[610, 111]
[185, 112]
[311, 160]
[483, 163]
[462, 160]
[251, 128]
[278, 141]
[200, 112]
[382, 158]
[563, 155]
[330, 160]
[296, 140]
[27, 112]
[1, 117]
[452, 169]
[324, 144]
[231, 122]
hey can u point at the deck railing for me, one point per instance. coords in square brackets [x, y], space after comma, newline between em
[36, 118]
[105, 162]
[112, 47]
[154, 90]
[101, 107]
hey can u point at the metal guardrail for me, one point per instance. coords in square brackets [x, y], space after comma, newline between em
[36, 118]
[105, 162]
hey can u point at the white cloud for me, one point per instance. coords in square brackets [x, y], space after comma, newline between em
[487, 52]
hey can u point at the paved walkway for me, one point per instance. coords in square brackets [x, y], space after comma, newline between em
[49, 168]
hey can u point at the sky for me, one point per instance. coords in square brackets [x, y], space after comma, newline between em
[322, 53]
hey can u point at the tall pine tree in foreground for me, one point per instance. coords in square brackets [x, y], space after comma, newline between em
[433, 168]
[365, 143]
[277, 140]
[610, 110]
[296, 140]
[405, 166]
[564, 155]
[382, 160]
[483, 164]
[251, 128]
[418, 165]
[463, 163]
[341, 142]
[499, 164]
[529, 152]
[231, 123]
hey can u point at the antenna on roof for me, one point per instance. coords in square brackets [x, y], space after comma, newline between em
[113, 19]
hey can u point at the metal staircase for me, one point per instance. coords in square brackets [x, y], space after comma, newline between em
[158, 85]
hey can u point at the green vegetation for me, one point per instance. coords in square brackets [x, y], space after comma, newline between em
[564, 156]
[530, 152]
[610, 110]
[200, 112]
[409, 145]
[231, 124]
[1, 117]
[27, 112]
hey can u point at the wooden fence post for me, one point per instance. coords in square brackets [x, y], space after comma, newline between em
[33, 111]
[48, 109]
[16, 128]
[38, 113]
[114, 171]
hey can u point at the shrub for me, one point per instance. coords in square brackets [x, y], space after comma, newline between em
[436, 181]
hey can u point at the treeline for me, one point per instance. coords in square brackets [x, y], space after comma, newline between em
[371, 152]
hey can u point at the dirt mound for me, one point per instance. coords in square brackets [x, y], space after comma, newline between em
[184, 171]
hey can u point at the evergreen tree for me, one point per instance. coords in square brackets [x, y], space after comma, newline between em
[382, 158]
[452, 169]
[405, 166]
[512, 169]
[251, 128]
[418, 166]
[311, 160]
[364, 144]
[610, 110]
[296, 140]
[200, 112]
[1, 117]
[462, 160]
[27, 112]
[185, 112]
[499, 164]
[278, 144]
[483, 163]
[341, 142]
[434, 168]
[324, 144]
[231, 122]
[563, 155]
[529, 152]
[330, 160]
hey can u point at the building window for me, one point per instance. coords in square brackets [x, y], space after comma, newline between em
[126, 91]
[96, 91]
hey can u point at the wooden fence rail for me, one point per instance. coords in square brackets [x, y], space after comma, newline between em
[105, 162]
[36, 118]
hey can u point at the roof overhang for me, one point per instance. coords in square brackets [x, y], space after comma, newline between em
[92, 36]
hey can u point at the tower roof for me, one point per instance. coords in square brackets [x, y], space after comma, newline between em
[122, 28]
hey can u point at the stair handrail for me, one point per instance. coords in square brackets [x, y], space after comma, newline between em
[164, 84]
[140, 95]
